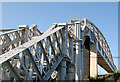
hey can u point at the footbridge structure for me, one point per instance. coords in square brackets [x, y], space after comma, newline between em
[66, 51]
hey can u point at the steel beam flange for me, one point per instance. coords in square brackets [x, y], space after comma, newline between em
[23, 26]
[62, 24]
[78, 22]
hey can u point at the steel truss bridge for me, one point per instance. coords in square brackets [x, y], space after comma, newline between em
[66, 51]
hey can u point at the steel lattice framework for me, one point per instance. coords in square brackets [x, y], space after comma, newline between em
[27, 54]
